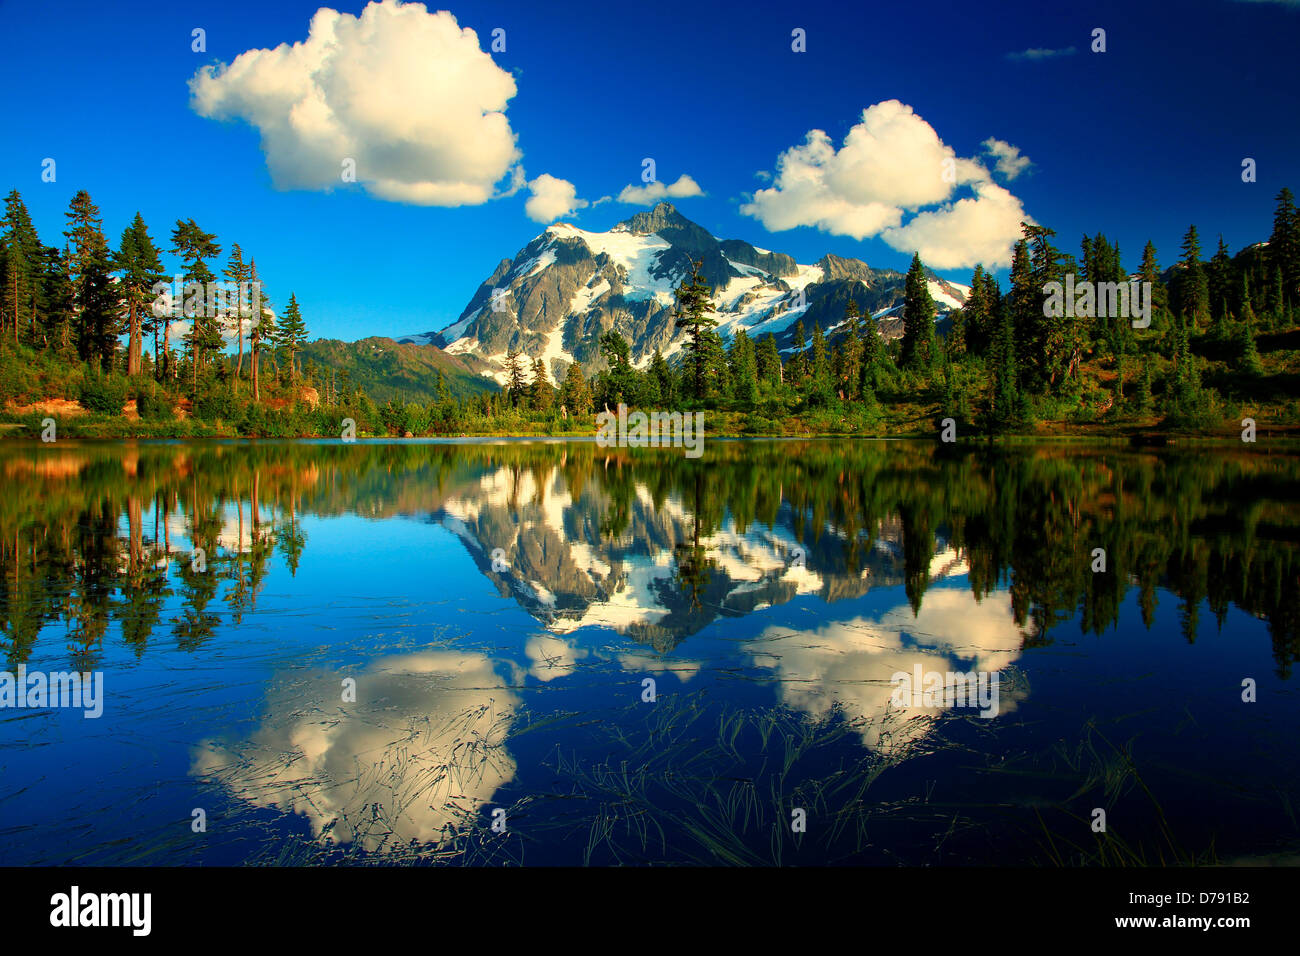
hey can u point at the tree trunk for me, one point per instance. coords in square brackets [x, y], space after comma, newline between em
[133, 349]
[255, 394]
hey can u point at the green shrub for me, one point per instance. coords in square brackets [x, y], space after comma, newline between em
[152, 403]
[105, 394]
[215, 402]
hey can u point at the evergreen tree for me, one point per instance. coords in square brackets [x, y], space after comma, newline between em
[263, 332]
[1145, 402]
[954, 345]
[1056, 342]
[694, 303]
[575, 396]
[850, 381]
[1192, 286]
[515, 385]
[717, 374]
[1284, 247]
[140, 265]
[237, 273]
[540, 392]
[194, 246]
[54, 302]
[797, 367]
[1005, 400]
[292, 334]
[1250, 363]
[918, 318]
[95, 305]
[821, 366]
[768, 360]
[978, 331]
[1101, 264]
[1025, 314]
[744, 369]
[22, 268]
[1277, 309]
[1220, 281]
[662, 378]
[872, 351]
[1149, 271]
[620, 383]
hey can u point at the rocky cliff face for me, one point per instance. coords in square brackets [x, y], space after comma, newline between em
[562, 290]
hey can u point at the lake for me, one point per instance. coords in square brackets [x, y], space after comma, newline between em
[547, 652]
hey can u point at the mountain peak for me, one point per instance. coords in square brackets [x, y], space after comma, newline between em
[662, 216]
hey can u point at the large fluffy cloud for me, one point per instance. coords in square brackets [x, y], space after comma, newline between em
[418, 754]
[406, 94]
[893, 164]
[851, 664]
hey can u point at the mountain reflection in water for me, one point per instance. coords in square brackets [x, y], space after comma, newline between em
[500, 605]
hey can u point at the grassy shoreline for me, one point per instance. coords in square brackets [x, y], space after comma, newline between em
[717, 425]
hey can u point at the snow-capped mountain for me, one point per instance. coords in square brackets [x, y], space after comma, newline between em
[568, 573]
[567, 286]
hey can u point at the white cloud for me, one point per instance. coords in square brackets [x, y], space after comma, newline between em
[850, 664]
[1034, 54]
[406, 94]
[651, 193]
[422, 750]
[552, 198]
[983, 228]
[1010, 163]
[893, 164]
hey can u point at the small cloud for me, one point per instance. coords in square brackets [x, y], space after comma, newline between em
[651, 193]
[518, 180]
[1034, 54]
[1009, 162]
[763, 175]
[552, 198]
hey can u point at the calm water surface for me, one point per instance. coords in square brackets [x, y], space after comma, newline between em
[633, 657]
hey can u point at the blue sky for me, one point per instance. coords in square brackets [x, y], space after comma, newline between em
[1138, 141]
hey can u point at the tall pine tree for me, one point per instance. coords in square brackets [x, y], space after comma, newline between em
[293, 335]
[22, 268]
[95, 304]
[694, 303]
[918, 317]
[194, 246]
[140, 266]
